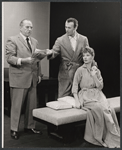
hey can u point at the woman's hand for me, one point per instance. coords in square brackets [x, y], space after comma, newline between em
[81, 104]
[94, 71]
[77, 104]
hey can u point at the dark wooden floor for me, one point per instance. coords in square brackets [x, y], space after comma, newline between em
[40, 141]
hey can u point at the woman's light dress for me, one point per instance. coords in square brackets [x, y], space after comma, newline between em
[101, 125]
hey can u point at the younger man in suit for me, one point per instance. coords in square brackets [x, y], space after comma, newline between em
[69, 46]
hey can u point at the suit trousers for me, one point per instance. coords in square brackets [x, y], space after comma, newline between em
[18, 97]
[64, 87]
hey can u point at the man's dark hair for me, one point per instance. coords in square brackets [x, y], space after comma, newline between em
[73, 20]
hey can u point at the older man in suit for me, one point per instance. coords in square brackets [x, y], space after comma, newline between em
[24, 74]
[69, 46]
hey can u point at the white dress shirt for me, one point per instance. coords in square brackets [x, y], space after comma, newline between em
[73, 41]
[24, 37]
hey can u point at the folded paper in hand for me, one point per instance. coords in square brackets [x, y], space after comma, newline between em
[39, 54]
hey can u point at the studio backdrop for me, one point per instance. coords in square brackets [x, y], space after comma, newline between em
[100, 22]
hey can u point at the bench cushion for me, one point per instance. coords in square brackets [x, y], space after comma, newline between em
[115, 103]
[60, 117]
[58, 105]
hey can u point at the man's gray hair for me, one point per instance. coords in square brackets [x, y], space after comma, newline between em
[21, 23]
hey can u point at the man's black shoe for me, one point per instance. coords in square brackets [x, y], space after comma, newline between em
[14, 135]
[32, 131]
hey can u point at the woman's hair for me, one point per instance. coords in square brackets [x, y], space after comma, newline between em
[89, 50]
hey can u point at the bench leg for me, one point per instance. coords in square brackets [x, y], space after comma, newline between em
[64, 132]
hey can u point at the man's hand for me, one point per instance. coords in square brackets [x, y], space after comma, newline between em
[39, 79]
[49, 52]
[27, 60]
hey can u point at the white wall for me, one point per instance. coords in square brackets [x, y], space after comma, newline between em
[38, 13]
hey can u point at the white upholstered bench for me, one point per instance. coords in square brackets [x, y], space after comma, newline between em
[66, 117]
[60, 117]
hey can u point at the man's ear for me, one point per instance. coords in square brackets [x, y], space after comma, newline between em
[76, 27]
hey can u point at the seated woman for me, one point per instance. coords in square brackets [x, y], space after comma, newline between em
[101, 125]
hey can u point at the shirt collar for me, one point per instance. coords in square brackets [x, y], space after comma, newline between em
[75, 37]
[24, 37]
[84, 66]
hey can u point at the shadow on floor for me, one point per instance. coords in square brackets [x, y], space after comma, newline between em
[28, 140]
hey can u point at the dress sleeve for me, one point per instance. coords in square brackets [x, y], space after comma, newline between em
[76, 80]
[100, 79]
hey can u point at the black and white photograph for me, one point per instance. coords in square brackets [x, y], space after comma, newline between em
[61, 74]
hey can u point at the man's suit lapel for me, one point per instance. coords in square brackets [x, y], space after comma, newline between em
[23, 41]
